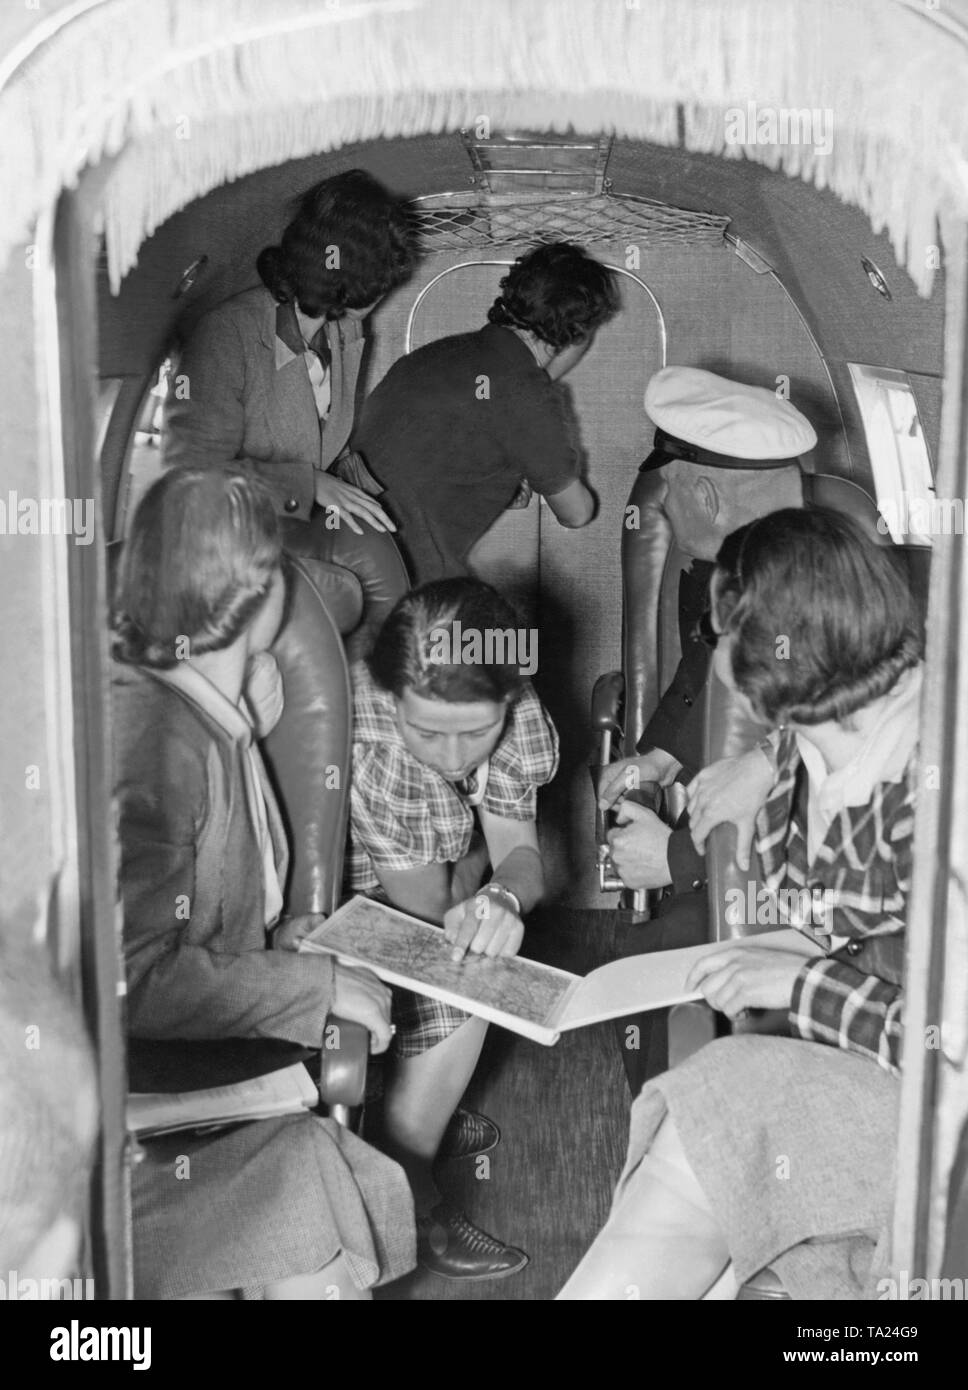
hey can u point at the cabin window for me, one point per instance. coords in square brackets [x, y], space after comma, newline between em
[142, 461]
[900, 462]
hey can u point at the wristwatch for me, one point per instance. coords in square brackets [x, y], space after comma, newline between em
[495, 887]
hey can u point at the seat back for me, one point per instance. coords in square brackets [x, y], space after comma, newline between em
[370, 561]
[651, 563]
[308, 757]
[308, 752]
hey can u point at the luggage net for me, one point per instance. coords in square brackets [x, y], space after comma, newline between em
[459, 222]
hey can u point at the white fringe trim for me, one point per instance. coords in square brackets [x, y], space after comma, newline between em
[189, 95]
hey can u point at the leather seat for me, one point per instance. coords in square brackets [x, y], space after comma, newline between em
[369, 562]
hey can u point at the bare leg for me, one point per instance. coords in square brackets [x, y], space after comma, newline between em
[661, 1240]
[422, 1095]
[423, 1092]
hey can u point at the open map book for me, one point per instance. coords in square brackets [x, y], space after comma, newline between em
[538, 1001]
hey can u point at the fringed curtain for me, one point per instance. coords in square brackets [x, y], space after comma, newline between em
[189, 95]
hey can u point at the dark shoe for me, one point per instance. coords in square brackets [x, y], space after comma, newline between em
[468, 1135]
[453, 1247]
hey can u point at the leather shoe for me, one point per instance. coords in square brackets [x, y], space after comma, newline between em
[450, 1245]
[468, 1135]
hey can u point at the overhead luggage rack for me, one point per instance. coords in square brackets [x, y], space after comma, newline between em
[529, 187]
[464, 222]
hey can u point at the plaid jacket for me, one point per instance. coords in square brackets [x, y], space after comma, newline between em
[404, 815]
[859, 885]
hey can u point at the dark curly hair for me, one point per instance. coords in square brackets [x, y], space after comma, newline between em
[406, 652]
[350, 242]
[557, 292]
[842, 602]
[199, 562]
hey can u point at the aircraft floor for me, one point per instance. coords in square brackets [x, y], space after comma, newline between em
[563, 1115]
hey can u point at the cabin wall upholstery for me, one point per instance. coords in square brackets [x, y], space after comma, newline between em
[719, 315]
[26, 811]
[812, 239]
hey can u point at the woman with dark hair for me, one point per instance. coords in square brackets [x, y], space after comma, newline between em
[295, 1207]
[450, 744]
[269, 377]
[456, 429]
[778, 1151]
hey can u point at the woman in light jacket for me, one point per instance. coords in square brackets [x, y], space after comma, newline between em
[293, 1207]
[269, 379]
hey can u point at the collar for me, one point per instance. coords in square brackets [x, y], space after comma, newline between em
[190, 682]
[511, 345]
[883, 757]
[289, 342]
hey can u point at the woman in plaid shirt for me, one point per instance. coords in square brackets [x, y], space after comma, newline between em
[779, 1151]
[450, 744]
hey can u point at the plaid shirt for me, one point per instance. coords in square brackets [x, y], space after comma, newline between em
[404, 815]
[862, 876]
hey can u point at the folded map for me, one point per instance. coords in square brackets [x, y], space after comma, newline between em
[535, 1000]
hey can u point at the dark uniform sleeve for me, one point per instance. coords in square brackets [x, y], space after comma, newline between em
[677, 724]
[687, 867]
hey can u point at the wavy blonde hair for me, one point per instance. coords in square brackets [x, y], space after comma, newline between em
[203, 551]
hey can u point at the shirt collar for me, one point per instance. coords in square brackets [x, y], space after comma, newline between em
[289, 341]
[189, 681]
[883, 756]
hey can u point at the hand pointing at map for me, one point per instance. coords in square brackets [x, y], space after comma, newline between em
[485, 924]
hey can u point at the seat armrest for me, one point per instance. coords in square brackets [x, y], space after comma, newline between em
[726, 880]
[607, 698]
[342, 1065]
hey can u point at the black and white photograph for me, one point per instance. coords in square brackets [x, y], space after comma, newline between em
[492, 473]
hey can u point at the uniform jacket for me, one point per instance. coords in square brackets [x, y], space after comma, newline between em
[191, 880]
[677, 724]
[247, 396]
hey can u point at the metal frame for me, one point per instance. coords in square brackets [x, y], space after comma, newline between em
[464, 265]
[67, 344]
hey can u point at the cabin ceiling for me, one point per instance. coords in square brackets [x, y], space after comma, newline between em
[812, 240]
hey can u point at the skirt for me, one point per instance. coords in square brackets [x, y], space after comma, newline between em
[240, 1207]
[794, 1146]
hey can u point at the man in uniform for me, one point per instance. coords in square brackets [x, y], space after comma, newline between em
[730, 453]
